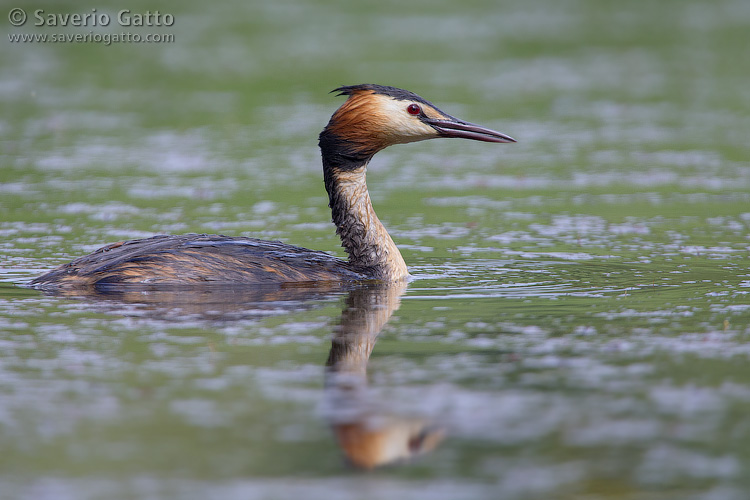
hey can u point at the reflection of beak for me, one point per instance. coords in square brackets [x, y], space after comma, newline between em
[454, 127]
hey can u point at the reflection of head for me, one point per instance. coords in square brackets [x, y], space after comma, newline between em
[369, 444]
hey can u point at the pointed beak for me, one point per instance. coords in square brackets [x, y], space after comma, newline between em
[465, 130]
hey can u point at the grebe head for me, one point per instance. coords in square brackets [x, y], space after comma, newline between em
[375, 117]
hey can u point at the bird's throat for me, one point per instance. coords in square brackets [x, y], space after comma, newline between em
[362, 234]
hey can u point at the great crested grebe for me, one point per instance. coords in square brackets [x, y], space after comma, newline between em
[372, 118]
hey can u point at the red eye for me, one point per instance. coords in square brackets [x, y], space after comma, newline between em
[413, 109]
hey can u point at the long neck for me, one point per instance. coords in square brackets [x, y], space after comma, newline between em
[362, 234]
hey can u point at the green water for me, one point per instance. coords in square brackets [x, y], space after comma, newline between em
[578, 325]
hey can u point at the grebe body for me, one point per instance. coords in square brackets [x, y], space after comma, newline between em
[372, 118]
[200, 259]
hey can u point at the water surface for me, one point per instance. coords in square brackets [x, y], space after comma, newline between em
[579, 317]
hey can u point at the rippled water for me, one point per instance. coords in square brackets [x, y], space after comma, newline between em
[579, 317]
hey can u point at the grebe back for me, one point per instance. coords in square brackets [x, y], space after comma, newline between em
[372, 118]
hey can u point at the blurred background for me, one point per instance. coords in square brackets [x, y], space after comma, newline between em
[579, 321]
